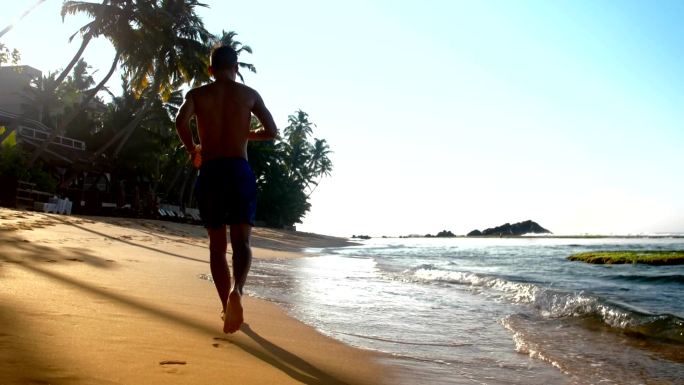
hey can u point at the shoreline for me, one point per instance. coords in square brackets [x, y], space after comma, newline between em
[645, 236]
[117, 300]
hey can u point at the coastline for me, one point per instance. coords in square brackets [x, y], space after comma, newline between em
[114, 300]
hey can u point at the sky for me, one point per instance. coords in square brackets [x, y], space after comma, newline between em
[458, 115]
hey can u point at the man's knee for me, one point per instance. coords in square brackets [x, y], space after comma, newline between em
[239, 238]
[217, 239]
[217, 248]
[240, 245]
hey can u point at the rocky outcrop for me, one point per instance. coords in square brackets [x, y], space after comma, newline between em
[520, 228]
[360, 236]
[441, 234]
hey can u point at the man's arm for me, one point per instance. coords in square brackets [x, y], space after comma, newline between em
[185, 114]
[269, 131]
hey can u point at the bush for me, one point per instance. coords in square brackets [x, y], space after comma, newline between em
[13, 164]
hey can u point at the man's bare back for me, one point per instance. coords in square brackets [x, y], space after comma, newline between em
[223, 110]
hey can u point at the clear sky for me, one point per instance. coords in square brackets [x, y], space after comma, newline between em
[459, 114]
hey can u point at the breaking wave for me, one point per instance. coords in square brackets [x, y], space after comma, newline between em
[552, 303]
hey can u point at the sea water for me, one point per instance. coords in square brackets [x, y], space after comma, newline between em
[492, 311]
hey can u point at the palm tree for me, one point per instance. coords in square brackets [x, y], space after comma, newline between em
[172, 50]
[41, 100]
[319, 164]
[297, 147]
[88, 31]
[228, 39]
[7, 55]
[112, 19]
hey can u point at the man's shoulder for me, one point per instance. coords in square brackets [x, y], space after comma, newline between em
[198, 90]
[245, 88]
[208, 88]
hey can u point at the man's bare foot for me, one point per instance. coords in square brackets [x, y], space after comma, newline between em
[233, 319]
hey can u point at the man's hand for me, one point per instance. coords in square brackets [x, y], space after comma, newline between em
[196, 156]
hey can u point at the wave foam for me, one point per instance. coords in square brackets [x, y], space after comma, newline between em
[550, 303]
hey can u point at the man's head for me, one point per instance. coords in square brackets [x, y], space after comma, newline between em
[223, 62]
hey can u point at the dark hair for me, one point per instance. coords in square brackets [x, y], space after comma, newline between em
[223, 57]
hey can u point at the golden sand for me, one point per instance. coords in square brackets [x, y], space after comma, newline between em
[89, 300]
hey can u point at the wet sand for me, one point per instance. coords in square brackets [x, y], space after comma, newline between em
[91, 300]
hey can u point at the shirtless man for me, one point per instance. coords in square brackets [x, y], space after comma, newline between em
[226, 188]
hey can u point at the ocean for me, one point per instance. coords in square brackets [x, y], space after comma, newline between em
[492, 310]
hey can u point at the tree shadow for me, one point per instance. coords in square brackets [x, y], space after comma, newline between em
[14, 249]
[144, 226]
[281, 359]
[130, 243]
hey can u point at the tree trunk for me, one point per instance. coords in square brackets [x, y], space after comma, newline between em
[67, 121]
[65, 71]
[130, 128]
[127, 131]
[124, 131]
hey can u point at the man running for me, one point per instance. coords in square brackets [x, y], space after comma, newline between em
[226, 187]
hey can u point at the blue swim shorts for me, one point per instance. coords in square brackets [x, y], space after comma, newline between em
[226, 192]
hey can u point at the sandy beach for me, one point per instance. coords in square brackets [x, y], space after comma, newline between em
[91, 300]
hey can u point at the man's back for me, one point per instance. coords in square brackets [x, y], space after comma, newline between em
[223, 110]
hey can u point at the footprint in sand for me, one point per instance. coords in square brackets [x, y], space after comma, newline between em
[170, 366]
[172, 362]
[218, 340]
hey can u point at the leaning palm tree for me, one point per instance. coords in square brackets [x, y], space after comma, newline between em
[88, 32]
[172, 50]
[113, 19]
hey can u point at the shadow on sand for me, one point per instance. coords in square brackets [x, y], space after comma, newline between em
[272, 354]
[127, 241]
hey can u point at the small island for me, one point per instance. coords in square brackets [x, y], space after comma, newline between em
[360, 236]
[441, 234]
[507, 229]
[648, 257]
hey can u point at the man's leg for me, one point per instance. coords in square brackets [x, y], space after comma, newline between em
[218, 245]
[242, 260]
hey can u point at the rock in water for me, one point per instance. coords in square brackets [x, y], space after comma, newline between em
[507, 229]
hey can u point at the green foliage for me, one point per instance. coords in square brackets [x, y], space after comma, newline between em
[160, 45]
[11, 159]
[288, 170]
[11, 139]
[228, 39]
[8, 56]
[649, 257]
[12, 164]
[43, 179]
